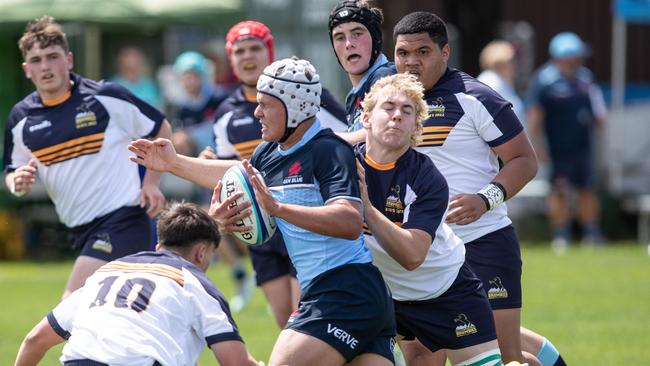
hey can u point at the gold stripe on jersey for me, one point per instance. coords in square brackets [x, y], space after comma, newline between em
[71, 153]
[70, 149]
[245, 149]
[435, 135]
[153, 268]
[430, 129]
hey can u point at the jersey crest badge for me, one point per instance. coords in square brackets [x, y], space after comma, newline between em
[85, 117]
[437, 108]
[393, 202]
[294, 176]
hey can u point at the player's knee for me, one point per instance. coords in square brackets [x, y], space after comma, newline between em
[487, 358]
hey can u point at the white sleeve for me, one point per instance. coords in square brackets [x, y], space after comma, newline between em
[127, 116]
[211, 319]
[20, 154]
[225, 149]
[64, 313]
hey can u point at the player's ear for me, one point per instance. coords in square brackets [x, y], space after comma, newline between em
[26, 70]
[365, 120]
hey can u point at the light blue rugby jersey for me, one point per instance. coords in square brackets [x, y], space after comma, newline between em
[318, 169]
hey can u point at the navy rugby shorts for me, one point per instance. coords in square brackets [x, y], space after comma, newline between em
[122, 232]
[270, 260]
[350, 308]
[495, 258]
[460, 317]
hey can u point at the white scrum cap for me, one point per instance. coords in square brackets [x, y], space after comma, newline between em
[296, 83]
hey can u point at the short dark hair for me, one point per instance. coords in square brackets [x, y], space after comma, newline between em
[182, 225]
[45, 31]
[422, 22]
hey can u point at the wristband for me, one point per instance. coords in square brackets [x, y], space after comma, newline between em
[493, 195]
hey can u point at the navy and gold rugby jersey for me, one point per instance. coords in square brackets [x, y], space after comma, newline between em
[80, 146]
[466, 120]
[382, 67]
[151, 305]
[238, 132]
[413, 194]
[318, 169]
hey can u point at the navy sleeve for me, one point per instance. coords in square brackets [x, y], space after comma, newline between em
[427, 204]
[335, 169]
[118, 91]
[500, 110]
[509, 125]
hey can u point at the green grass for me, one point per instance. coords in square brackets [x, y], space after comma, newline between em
[593, 303]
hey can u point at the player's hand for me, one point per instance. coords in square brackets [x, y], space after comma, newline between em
[24, 178]
[158, 155]
[208, 153]
[262, 192]
[152, 198]
[363, 187]
[227, 213]
[465, 209]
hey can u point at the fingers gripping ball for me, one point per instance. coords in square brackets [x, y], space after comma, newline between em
[263, 225]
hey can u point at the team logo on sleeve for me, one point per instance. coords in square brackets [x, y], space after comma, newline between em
[497, 290]
[437, 108]
[393, 202]
[85, 117]
[464, 326]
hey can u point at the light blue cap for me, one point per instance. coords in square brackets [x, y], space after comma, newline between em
[191, 61]
[568, 45]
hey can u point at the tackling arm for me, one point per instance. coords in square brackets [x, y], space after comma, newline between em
[160, 155]
[232, 353]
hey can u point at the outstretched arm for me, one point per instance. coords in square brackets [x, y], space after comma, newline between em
[160, 155]
[150, 196]
[37, 342]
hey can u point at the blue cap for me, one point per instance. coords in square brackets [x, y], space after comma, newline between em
[191, 61]
[568, 45]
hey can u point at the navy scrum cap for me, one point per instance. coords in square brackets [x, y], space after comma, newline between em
[348, 11]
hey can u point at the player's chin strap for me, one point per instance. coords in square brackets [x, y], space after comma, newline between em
[493, 194]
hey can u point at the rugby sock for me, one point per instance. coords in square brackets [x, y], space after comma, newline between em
[488, 358]
[548, 355]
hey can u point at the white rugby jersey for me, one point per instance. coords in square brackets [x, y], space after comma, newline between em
[466, 120]
[145, 307]
[81, 147]
[413, 194]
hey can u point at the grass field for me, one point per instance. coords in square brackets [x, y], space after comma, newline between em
[593, 303]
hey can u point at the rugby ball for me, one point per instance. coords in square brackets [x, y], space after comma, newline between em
[263, 225]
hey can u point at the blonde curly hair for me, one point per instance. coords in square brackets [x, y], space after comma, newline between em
[409, 86]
